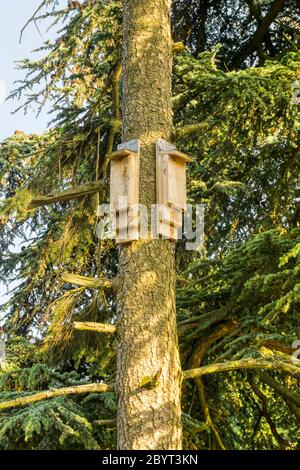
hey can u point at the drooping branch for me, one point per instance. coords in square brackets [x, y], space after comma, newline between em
[63, 196]
[98, 327]
[56, 392]
[283, 444]
[295, 410]
[89, 282]
[189, 129]
[262, 29]
[32, 19]
[243, 364]
[202, 13]
[196, 361]
[105, 422]
[116, 121]
[288, 395]
[254, 10]
[256, 13]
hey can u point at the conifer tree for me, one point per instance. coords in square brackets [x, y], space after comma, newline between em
[237, 305]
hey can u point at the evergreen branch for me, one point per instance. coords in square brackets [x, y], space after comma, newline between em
[32, 19]
[116, 121]
[73, 193]
[288, 395]
[242, 364]
[283, 444]
[56, 392]
[197, 358]
[189, 129]
[295, 410]
[178, 47]
[255, 41]
[89, 282]
[98, 327]
[105, 422]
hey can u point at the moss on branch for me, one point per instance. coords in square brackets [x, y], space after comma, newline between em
[56, 392]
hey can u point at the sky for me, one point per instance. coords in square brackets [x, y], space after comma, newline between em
[14, 15]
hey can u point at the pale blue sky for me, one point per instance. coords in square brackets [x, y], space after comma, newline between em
[14, 14]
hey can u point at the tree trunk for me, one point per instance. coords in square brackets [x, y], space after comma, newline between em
[149, 417]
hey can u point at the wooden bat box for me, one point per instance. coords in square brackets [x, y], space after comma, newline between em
[170, 189]
[124, 190]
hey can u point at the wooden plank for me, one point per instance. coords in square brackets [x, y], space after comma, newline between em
[170, 175]
[128, 217]
[175, 171]
[159, 178]
[119, 184]
[168, 231]
[171, 215]
[164, 147]
[127, 234]
[170, 188]
[134, 174]
[124, 190]
[118, 154]
[180, 156]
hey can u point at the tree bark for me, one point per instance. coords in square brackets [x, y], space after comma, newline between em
[148, 417]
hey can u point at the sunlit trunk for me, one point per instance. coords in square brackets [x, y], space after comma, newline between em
[148, 418]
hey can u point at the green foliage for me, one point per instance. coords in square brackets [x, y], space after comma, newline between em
[192, 428]
[246, 147]
[58, 424]
[202, 25]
